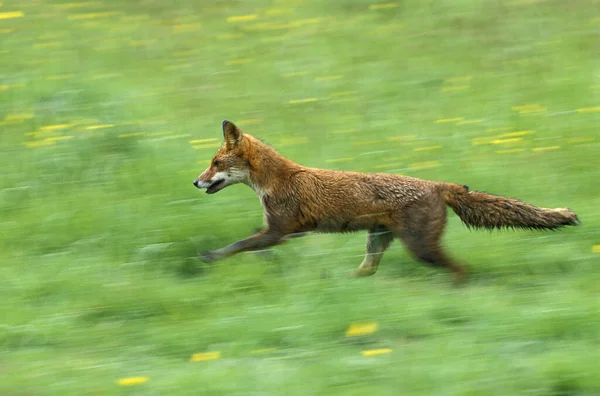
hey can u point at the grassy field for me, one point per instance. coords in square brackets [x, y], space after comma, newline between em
[110, 109]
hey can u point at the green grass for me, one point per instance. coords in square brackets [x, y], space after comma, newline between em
[101, 227]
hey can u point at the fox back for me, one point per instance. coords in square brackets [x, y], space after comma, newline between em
[318, 199]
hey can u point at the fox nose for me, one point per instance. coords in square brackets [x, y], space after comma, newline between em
[196, 183]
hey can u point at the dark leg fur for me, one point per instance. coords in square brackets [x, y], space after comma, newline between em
[421, 231]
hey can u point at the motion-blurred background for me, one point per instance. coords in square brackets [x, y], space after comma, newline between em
[110, 109]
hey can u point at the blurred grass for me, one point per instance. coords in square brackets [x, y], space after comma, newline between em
[101, 225]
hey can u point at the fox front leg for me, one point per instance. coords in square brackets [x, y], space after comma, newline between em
[259, 241]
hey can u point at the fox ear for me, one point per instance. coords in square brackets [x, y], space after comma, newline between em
[231, 134]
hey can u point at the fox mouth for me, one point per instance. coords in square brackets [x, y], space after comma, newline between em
[215, 186]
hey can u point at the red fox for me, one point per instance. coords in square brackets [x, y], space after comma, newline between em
[297, 199]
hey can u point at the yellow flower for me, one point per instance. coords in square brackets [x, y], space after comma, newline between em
[447, 120]
[382, 6]
[201, 357]
[510, 151]
[536, 149]
[11, 14]
[504, 141]
[427, 148]
[307, 100]
[358, 329]
[242, 18]
[201, 141]
[131, 381]
[588, 109]
[93, 127]
[374, 352]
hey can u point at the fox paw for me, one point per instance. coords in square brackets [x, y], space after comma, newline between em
[208, 256]
[362, 272]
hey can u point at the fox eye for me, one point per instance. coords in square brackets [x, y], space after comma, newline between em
[216, 163]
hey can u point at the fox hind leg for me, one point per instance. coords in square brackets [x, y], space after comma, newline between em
[378, 239]
[421, 231]
[434, 255]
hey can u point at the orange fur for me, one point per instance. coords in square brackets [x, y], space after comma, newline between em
[298, 199]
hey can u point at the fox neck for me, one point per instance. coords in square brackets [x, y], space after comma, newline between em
[269, 170]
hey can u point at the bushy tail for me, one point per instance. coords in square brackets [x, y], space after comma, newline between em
[481, 210]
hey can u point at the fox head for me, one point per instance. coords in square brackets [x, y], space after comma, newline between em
[229, 165]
